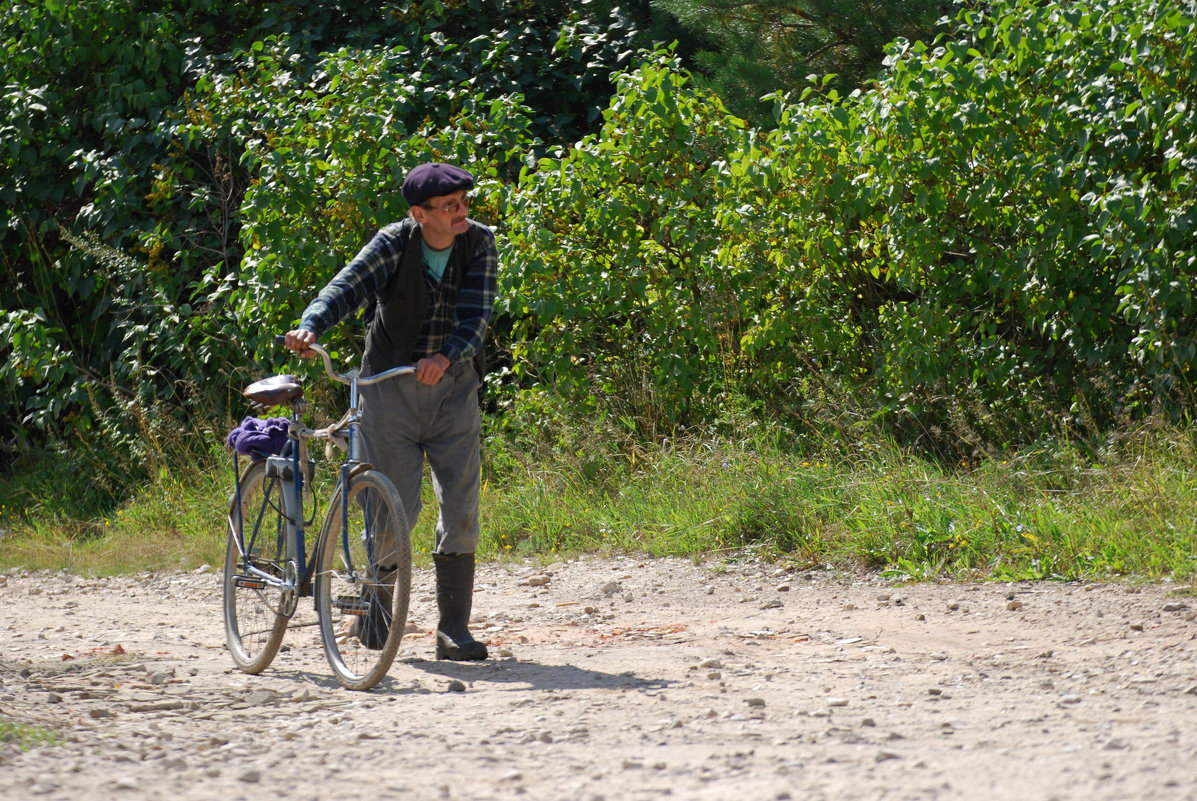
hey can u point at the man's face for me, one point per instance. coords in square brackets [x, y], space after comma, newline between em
[444, 216]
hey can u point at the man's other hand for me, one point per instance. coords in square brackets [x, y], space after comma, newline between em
[430, 370]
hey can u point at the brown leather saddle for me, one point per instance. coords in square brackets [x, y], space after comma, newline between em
[278, 390]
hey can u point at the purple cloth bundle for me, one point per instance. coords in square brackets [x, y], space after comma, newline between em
[257, 437]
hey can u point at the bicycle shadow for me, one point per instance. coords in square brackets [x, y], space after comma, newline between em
[531, 675]
[308, 680]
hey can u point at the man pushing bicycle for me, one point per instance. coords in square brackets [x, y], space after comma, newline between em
[428, 283]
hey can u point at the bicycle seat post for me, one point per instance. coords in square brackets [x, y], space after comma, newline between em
[354, 455]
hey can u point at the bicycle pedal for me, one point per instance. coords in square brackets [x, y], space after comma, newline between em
[352, 605]
[249, 582]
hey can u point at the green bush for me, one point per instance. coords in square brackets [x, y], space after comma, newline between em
[994, 244]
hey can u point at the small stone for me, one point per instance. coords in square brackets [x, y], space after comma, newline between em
[456, 686]
[1175, 606]
[1136, 626]
[260, 697]
[837, 702]
[755, 701]
[251, 776]
[1013, 606]
[9, 752]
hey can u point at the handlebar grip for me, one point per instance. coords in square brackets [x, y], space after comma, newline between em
[280, 339]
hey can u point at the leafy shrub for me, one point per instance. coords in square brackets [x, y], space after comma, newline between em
[995, 242]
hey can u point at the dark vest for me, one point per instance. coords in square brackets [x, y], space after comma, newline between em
[396, 321]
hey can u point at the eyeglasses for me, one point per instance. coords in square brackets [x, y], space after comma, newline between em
[454, 207]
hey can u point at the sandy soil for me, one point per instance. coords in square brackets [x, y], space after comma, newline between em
[618, 679]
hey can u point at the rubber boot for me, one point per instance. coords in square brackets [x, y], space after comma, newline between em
[454, 598]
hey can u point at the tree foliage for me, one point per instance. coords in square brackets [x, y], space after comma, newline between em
[996, 236]
[163, 159]
[753, 48]
[1000, 236]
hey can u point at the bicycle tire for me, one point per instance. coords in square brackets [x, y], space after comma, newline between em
[349, 581]
[255, 614]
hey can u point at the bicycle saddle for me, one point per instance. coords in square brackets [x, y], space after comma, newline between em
[275, 391]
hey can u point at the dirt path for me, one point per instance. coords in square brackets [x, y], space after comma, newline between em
[618, 679]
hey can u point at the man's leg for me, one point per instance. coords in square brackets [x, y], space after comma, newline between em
[454, 454]
[391, 439]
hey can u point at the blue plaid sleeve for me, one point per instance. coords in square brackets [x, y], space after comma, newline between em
[475, 301]
[356, 284]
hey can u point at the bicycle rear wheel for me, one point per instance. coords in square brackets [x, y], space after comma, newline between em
[362, 594]
[255, 612]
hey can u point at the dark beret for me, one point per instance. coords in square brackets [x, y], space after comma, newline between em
[434, 180]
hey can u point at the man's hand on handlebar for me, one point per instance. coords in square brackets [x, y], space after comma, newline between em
[300, 340]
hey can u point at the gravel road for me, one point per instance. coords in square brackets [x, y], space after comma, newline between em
[617, 678]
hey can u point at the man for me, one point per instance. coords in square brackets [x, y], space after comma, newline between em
[429, 284]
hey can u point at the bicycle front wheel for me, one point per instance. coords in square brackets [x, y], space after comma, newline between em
[256, 611]
[363, 579]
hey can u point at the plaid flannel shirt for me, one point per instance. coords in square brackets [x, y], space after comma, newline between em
[457, 316]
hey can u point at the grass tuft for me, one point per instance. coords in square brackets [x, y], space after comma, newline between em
[24, 735]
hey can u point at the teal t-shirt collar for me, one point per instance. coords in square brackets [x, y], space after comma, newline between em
[436, 260]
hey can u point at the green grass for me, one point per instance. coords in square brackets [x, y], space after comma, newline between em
[1057, 511]
[24, 735]
[1034, 515]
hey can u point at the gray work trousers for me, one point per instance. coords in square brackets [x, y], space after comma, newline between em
[404, 421]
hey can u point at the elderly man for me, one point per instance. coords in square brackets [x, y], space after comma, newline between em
[428, 283]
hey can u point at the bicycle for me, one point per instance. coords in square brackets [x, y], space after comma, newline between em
[361, 596]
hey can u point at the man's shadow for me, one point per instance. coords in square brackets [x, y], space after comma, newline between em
[530, 675]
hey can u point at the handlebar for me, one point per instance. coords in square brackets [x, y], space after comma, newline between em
[352, 375]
